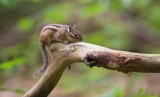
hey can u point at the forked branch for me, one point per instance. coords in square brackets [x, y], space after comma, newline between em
[63, 55]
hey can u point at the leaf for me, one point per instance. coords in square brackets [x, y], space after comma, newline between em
[10, 3]
[25, 24]
[141, 93]
[36, 1]
[10, 64]
[5, 2]
[59, 13]
[92, 9]
[18, 90]
[116, 92]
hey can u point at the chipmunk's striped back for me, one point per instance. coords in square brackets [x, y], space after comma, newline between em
[52, 33]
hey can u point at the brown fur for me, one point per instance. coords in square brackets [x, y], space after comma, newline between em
[56, 33]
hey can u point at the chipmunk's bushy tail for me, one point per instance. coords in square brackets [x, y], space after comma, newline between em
[45, 61]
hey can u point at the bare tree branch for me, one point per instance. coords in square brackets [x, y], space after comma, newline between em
[63, 55]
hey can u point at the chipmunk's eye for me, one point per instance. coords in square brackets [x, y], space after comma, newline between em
[76, 35]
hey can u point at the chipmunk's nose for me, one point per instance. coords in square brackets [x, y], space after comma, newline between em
[78, 37]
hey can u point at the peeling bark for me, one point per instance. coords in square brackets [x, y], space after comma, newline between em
[63, 55]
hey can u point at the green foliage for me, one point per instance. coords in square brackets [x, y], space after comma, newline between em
[15, 3]
[9, 3]
[141, 93]
[92, 9]
[12, 52]
[25, 24]
[58, 14]
[18, 55]
[19, 90]
[116, 92]
[108, 22]
[154, 15]
[5, 2]
[141, 4]
[117, 5]
[36, 1]
[8, 65]
[111, 35]
[82, 81]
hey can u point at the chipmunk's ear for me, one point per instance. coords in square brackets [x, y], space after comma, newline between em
[70, 29]
[74, 26]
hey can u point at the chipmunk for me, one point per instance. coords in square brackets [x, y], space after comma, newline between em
[52, 33]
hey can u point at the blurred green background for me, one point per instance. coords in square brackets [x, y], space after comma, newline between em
[130, 25]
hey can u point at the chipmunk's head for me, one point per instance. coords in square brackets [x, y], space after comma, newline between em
[74, 35]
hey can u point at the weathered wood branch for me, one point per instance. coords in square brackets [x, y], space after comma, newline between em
[63, 55]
